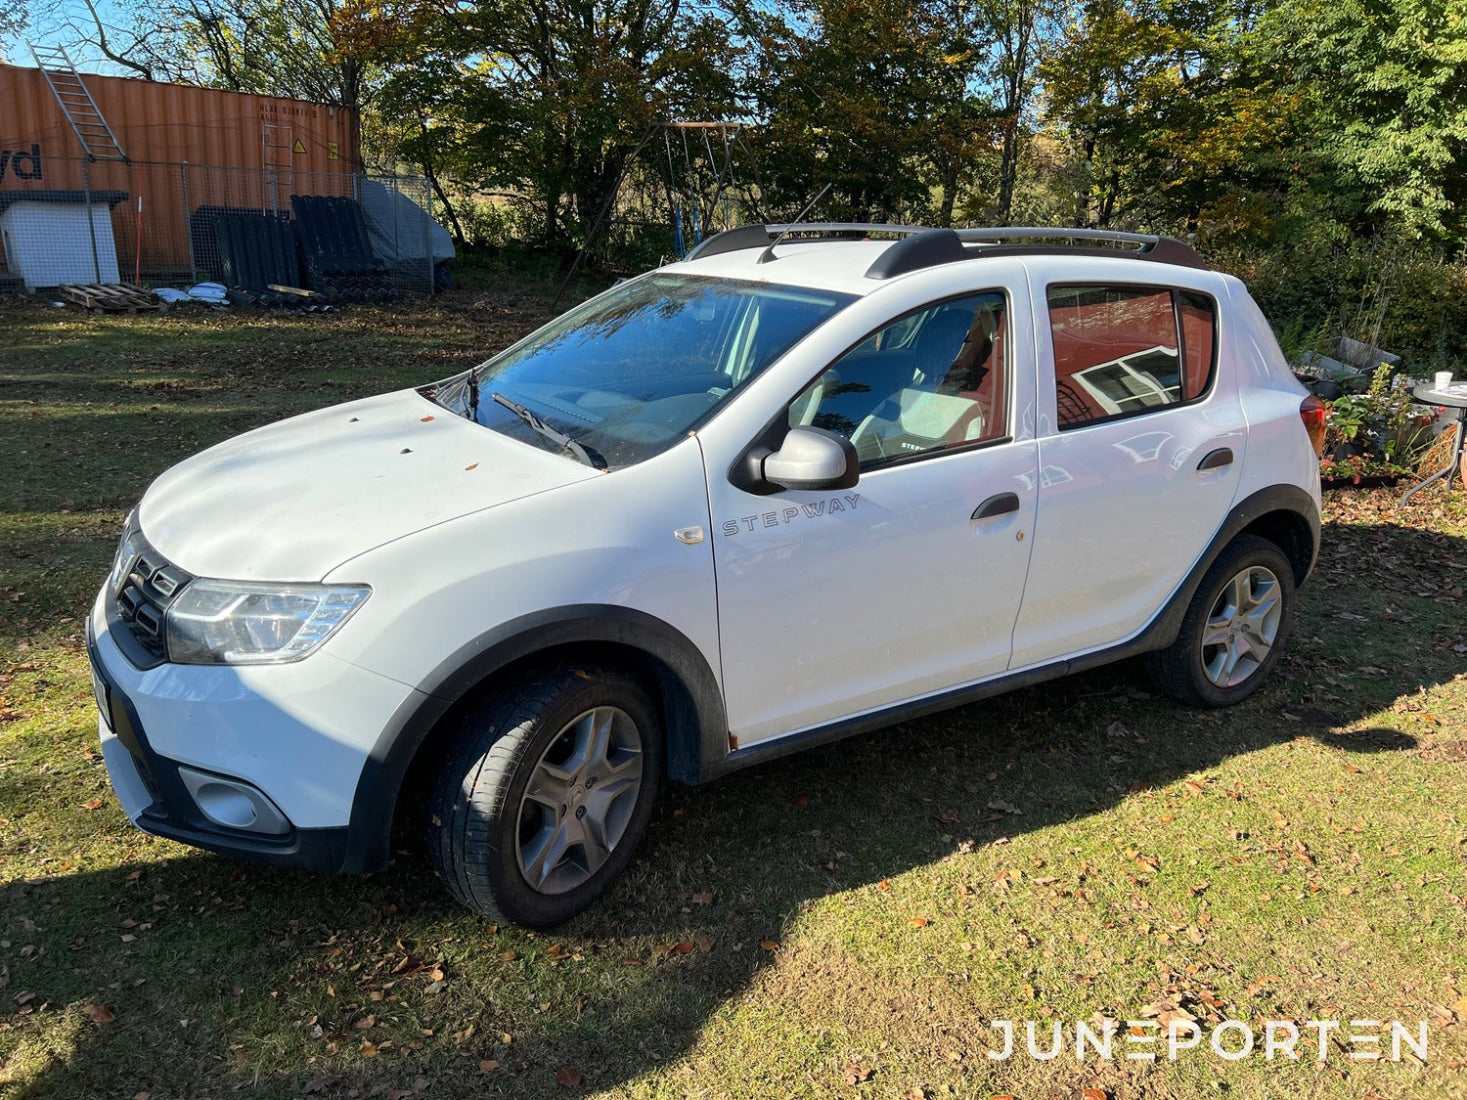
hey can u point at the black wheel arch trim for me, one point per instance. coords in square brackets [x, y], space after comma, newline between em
[697, 730]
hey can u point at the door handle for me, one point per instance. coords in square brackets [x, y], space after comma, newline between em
[1216, 460]
[997, 505]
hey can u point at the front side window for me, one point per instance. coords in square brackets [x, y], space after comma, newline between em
[930, 381]
[1123, 350]
[624, 376]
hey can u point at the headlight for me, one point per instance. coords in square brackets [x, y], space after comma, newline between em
[249, 623]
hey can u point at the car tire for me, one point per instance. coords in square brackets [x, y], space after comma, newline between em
[1234, 630]
[548, 792]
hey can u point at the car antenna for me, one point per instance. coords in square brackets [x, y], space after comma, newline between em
[768, 253]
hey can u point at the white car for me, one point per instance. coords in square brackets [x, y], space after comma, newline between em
[804, 484]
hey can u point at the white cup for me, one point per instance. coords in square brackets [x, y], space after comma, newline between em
[1443, 380]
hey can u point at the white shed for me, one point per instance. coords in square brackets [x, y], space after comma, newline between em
[47, 239]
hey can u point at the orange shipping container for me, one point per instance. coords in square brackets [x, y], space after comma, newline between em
[188, 148]
[175, 123]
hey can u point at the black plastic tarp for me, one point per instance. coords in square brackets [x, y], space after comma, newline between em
[256, 250]
[204, 241]
[339, 261]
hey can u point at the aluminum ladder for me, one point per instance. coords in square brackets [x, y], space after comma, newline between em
[91, 129]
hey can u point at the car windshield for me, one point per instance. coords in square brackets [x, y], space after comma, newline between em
[624, 376]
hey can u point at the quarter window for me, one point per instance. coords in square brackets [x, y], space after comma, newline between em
[1124, 350]
[930, 381]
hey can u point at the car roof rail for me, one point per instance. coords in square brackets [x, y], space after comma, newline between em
[1167, 250]
[759, 236]
[921, 246]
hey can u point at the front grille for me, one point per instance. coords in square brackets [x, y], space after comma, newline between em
[147, 589]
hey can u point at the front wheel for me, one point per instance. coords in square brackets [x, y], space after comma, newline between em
[547, 794]
[1234, 629]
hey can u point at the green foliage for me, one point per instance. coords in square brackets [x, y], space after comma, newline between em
[1386, 86]
[869, 97]
[548, 101]
[1402, 296]
[1380, 431]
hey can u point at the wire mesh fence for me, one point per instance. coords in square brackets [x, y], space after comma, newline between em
[74, 221]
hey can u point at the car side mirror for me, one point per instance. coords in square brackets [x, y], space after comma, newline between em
[812, 458]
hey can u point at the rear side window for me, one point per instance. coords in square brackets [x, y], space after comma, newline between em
[1125, 350]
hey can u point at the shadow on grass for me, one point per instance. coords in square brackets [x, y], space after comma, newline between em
[269, 967]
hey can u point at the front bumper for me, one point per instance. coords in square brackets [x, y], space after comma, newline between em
[298, 735]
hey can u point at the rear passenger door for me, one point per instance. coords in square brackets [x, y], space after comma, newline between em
[1140, 447]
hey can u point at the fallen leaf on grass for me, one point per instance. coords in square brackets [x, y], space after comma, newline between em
[567, 1078]
[883, 885]
[856, 1074]
[703, 897]
[94, 804]
[1006, 807]
[366, 1022]
[1092, 1094]
[487, 1065]
[1148, 863]
[769, 945]
[98, 1014]
[918, 922]
[367, 1050]
[1194, 786]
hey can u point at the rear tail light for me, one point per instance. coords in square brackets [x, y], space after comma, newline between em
[1314, 414]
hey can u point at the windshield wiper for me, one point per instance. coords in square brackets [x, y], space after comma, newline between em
[587, 455]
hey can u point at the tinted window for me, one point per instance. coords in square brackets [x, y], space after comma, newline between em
[930, 381]
[1118, 350]
[635, 369]
[1199, 342]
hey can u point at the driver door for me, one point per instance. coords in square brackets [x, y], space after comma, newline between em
[833, 603]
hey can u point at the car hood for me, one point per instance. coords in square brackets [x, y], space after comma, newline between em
[294, 500]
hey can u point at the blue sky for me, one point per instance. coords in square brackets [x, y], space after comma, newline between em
[49, 26]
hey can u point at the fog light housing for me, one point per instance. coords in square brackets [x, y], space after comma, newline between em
[234, 804]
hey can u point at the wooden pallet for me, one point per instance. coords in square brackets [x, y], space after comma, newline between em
[112, 297]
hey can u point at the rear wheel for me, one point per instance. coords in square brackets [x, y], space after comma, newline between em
[548, 793]
[1234, 629]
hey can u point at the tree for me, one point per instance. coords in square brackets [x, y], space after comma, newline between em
[1019, 35]
[870, 97]
[289, 48]
[1385, 82]
[553, 97]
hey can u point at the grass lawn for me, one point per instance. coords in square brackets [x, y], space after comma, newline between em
[845, 923]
